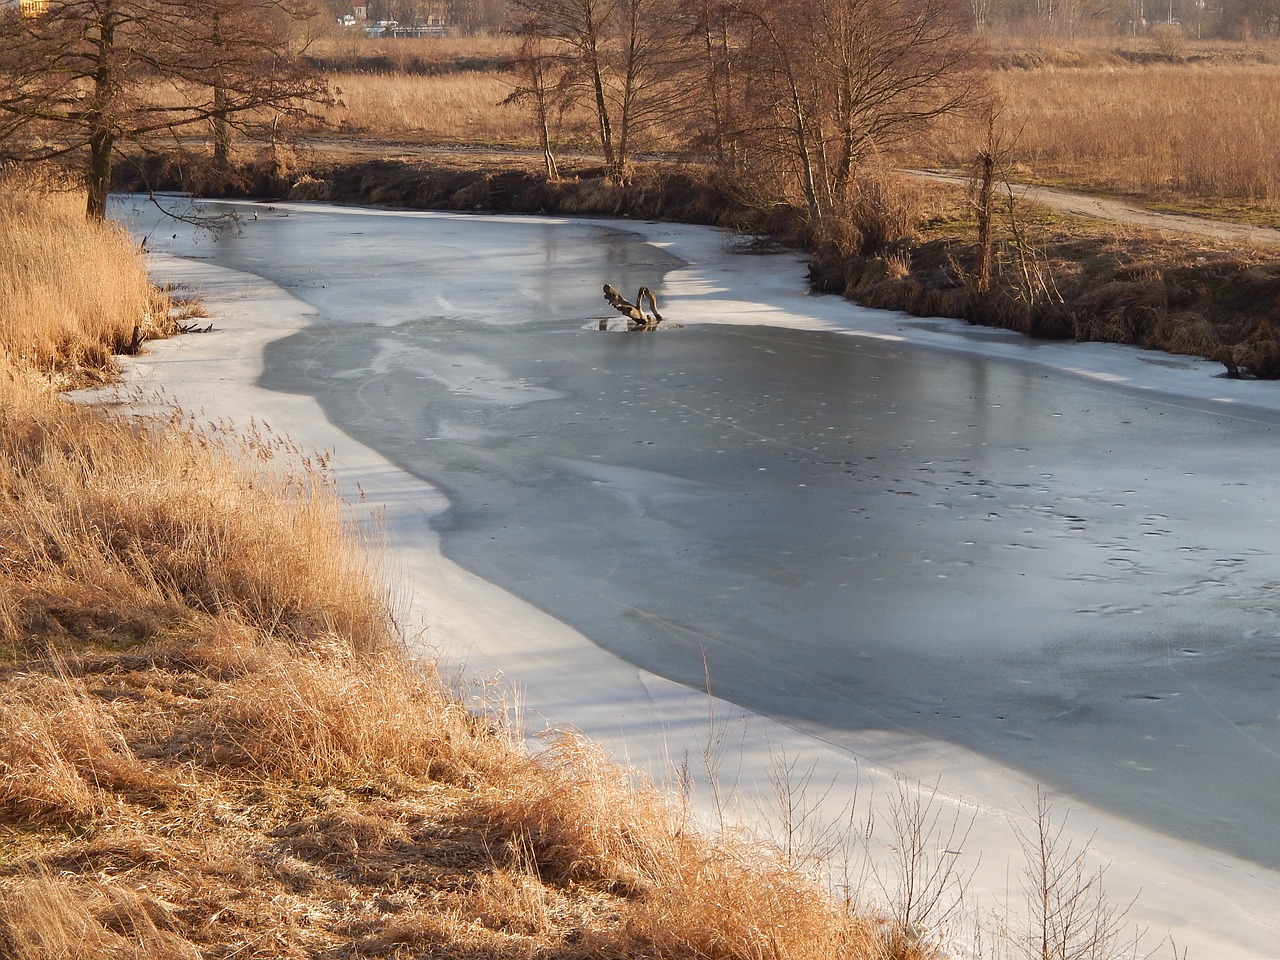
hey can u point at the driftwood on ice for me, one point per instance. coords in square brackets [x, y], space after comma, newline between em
[634, 311]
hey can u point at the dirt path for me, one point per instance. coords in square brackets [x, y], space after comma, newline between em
[1104, 208]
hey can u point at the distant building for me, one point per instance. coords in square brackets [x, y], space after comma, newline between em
[433, 26]
[33, 8]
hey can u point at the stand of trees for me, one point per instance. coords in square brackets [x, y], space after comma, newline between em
[86, 76]
[786, 97]
[622, 58]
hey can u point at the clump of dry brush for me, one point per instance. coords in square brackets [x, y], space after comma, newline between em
[73, 292]
[212, 743]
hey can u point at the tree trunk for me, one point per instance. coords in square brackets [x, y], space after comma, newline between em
[602, 115]
[986, 178]
[544, 134]
[718, 125]
[807, 182]
[221, 127]
[102, 138]
[221, 136]
[845, 167]
[101, 146]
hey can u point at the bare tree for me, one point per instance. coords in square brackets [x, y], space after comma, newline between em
[926, 877]
[544, 75]
[474, 16]
[90, 75]
[990, 165]
[712, 28]
[582, 28]
[623, 62]
[829, 82]
[651, 61]
[1070, 917]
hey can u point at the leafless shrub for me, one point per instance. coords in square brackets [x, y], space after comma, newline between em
[1169, 40]
[926, 876]
[1024, 262]
[1069, 915]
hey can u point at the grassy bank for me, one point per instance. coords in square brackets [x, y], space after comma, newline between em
[212, 743]
[1065, 278]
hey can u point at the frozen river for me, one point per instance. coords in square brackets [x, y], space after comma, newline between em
[1073, 576]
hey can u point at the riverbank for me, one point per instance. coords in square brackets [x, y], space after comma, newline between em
[1054, 276]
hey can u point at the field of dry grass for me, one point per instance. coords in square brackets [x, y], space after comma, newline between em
[1198, 131]
[213, 745]
[451, 108]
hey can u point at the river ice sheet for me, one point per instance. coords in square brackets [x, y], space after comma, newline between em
[1074, 579]
[1077, 578]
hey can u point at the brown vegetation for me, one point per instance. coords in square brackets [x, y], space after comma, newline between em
[350, 51]
[81, 78]
[1191, 134]
[72, 294]
[1057, 278]
[1189, 128]
[213, 745]
[452, 108]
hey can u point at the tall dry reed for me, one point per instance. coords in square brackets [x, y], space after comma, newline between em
[72, 292]
[110, 530]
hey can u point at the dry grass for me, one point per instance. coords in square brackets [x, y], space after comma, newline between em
[73, 292]
[1199, 131]
[447, 108]
[211, 744]
[100, 538]
[212, 809]
[1194, 121]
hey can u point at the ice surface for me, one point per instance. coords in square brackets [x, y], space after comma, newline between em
[936, 550]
